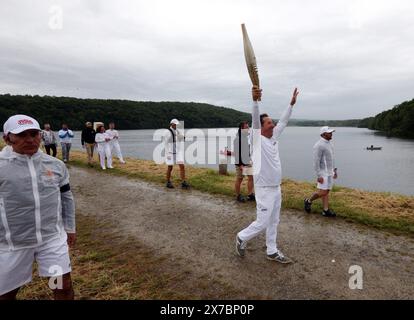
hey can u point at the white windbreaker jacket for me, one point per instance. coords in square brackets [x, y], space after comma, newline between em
[323, 158]
[36, 204]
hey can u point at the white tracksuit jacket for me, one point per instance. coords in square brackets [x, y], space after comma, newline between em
[267, 174]
[114, 143]
[174, 149]
[104, 149]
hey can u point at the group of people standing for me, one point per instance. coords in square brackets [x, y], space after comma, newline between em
[105, 141]
[50, 141]
[37, 208]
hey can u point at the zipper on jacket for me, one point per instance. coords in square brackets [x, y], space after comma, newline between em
[5, 224]
[37, 200]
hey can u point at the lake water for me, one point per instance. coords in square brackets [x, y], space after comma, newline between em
[391, 169]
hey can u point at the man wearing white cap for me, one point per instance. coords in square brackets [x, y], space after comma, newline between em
[37, 212]
[174, 152]
[325, 171]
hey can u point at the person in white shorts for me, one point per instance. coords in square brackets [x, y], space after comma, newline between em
[114, 142]
[325, 171]
[174, 152]
[37, 212]
[104, 148]
[267, 175]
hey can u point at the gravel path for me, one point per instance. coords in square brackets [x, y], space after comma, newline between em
[198, 230]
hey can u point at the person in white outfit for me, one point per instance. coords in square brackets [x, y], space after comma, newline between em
[104, 149]
[37, 212]
[267, 175]
[174, 152]
[114, 142]
[325, 170]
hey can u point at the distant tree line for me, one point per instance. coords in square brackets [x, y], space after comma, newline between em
[321, 123]
[397, 122]
[131, 114]
[126, 114]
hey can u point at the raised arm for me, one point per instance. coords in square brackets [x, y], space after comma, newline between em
[284, 119]
[256, 94]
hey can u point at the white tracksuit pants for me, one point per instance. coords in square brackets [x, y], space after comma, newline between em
[104, 150]
[268, 200]
[116, 149]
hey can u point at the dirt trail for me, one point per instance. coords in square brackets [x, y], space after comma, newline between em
[198, 230]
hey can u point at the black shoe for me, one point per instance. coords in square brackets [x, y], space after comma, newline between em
[279, 257]
[328, 213]
[308, 205]
[240, 198]
[169, 185]
[185, 185]
[240, 247]
[251, 197]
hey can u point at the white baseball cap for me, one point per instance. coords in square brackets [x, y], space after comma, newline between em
[326, 129]
[19, 123]
[175, 121]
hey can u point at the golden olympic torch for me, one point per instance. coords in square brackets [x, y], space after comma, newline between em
[250, 58]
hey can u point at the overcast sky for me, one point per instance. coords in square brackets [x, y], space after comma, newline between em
[350, 59]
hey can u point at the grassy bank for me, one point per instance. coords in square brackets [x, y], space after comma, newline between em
[386, 211]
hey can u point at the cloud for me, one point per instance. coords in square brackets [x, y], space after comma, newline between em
[350, 59]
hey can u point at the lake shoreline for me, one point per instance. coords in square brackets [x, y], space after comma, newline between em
[383, 210]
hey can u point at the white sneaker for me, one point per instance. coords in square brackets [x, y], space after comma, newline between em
[110, 167]
[122, 161]
[103, 168]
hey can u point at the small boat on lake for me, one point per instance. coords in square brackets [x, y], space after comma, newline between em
[372, 148]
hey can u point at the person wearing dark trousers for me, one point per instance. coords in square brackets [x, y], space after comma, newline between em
[243, 162]
[88, 140]
[49, 140]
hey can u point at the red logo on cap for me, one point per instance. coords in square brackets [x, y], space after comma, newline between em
[24, 122]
